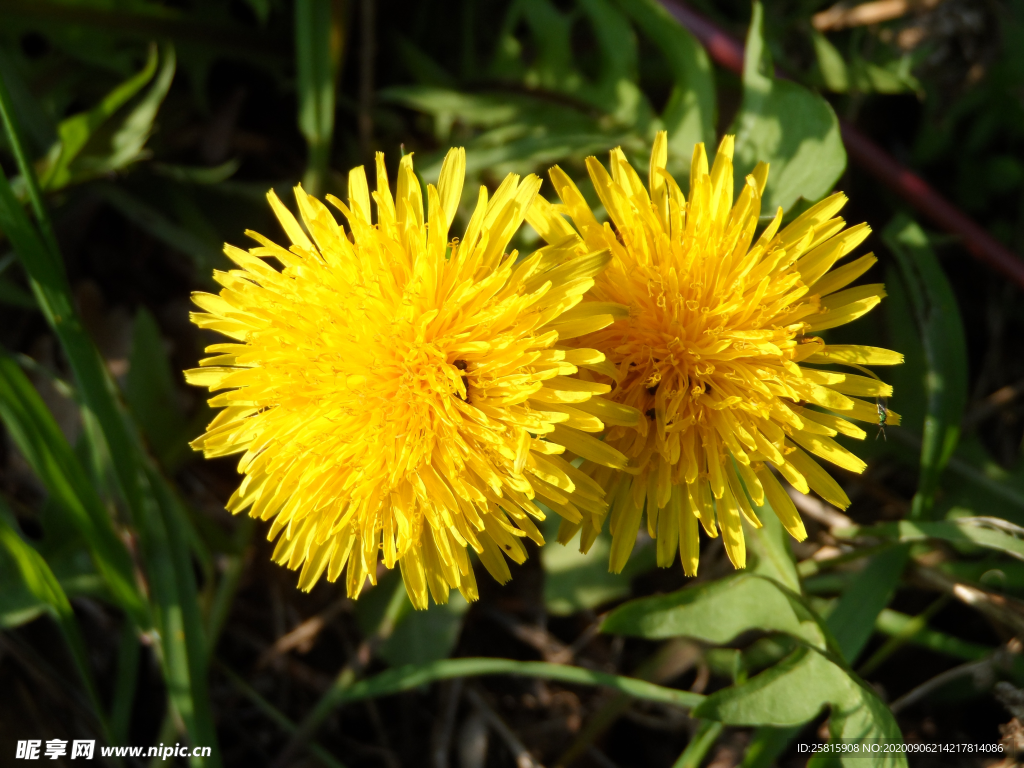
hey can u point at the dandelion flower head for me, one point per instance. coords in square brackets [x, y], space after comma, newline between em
[398, 395]
[719, 349]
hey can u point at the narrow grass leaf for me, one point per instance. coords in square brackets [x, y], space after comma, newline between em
[170, 574]
[413, 676]
[991, 533]
[39, 579]
[317, 52]
[41, 442]
[942, 333]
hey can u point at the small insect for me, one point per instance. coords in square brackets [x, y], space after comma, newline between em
[463, 365]
[883, 416]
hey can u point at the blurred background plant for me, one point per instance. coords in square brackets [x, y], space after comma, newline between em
[141, 135]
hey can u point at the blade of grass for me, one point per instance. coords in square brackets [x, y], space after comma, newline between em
[181, 647]
[965, 530]
[705, 737]
[346, 689]
[942, 334]
[125, 683]
[41, 442]
[901, 638]
[184, 635]
[228, 585]
[893, 623]
[414, 675]
[317, 54]
[38, 577]
[17, 147]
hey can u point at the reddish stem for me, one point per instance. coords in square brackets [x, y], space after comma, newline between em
[727, 51]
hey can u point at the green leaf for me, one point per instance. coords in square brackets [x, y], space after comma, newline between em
[412, 637]
[786, 125]
[128, 137]
[615, 88]
[424, 636]
[574, 581]
[150, 392]
[867, 594]
[317, 54]
[149, 500]
[717, 612]
[988, 532]
[413, 676]
[39, 580]
[40, 441]
[795, 691]
[770, 545]
[689, 115]
[75, 132]
[830, 63]
[945, 347]
[17, 603]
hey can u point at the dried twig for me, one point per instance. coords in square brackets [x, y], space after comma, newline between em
[982, 671]
[550, 647]
[1004, 610]
[841, 15]
[993, 404]
[304, 635]
[818, 510]
[473, 738]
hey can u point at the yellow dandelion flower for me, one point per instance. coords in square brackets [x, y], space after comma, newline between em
[396, 393]
[718, 350]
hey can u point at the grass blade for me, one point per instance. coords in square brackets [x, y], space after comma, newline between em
[945, 347]
[990, 533]
[414, 675]
[41, 443]
[40, 580]
[181, 646]
[125, 684]
[317, 54]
